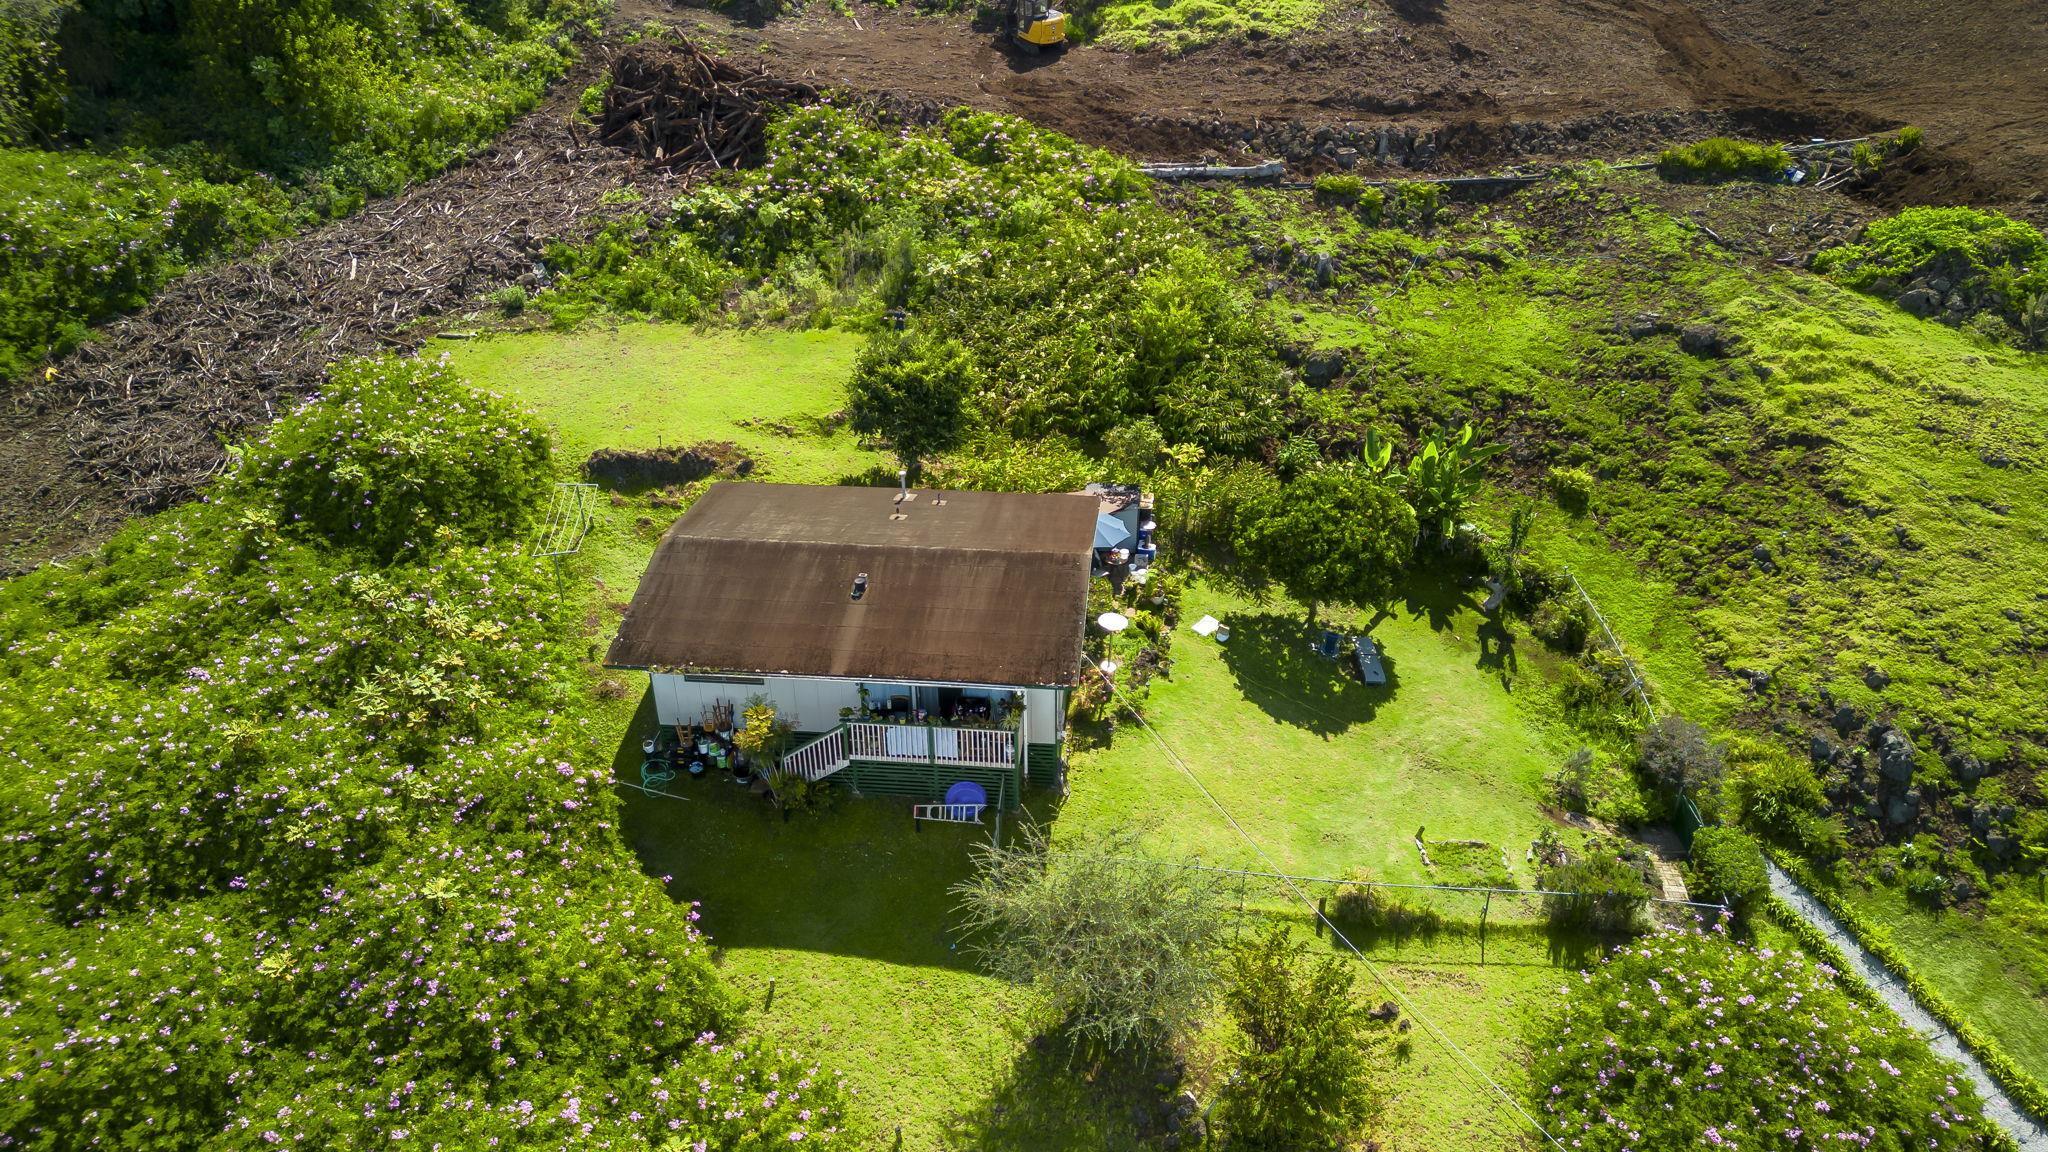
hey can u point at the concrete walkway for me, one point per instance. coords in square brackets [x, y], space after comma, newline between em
[1998, 1107]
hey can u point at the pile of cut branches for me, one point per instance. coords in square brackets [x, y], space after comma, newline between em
[676, 106]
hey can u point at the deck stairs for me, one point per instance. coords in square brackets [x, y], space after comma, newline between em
[821, 757]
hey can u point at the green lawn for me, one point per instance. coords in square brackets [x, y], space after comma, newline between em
[649, 385]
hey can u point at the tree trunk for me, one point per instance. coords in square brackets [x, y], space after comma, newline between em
[1311, 617]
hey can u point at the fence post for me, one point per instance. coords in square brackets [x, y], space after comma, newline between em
[1484, 909]
[1322, 914]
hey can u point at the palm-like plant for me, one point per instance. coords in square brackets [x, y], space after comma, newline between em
[1444, 476]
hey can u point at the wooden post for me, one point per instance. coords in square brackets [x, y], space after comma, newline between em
[1488, 907]
[1322, 913]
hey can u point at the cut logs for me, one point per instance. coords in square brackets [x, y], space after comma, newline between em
[675, 106]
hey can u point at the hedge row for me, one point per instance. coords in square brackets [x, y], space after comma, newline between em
[2025, 1091]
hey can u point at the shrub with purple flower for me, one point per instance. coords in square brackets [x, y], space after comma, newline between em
[1689, 1039]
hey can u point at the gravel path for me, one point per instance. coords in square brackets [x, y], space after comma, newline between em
[1997, 1105]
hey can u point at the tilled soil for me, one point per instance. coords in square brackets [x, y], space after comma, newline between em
[1480, 81]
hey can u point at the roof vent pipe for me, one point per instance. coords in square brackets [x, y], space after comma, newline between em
[902, 485]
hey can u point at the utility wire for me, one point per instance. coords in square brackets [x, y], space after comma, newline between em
[1335, 932]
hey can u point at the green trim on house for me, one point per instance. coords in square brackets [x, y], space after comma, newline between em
[926, 782]
[1043, 763]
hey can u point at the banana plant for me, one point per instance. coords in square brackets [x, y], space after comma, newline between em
[1377, 457]
[1444, 476]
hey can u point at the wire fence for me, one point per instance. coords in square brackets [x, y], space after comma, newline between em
[1635, 674]
[1441, 924]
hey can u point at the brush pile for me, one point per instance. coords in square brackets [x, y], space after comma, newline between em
[675, 106]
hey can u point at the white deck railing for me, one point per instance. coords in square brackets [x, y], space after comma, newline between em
[820, 758]
[921, 744]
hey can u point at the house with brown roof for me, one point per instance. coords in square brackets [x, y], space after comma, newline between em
[915, 639]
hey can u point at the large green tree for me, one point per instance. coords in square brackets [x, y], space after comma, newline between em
[912, 393]
[1330, 536]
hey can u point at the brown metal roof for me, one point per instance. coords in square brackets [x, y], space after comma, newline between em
[977, 587]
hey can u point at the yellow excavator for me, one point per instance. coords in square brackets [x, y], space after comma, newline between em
[1036, 25]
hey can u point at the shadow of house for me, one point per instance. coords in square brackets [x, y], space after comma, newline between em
[1276, 668]
[856, 879]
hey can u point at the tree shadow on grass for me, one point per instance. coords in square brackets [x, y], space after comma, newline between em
[1277, 669]
[1050, 1099]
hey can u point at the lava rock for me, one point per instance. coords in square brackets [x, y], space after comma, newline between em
[1921, 302]
[1321, 368]
[1847, 720]
[1762, 556]
[1894, 754]
[1967, 768]
[1875, 680]
[1643, 325]
[1823, 751]
[1702, 340]
[1899, 811]
[1326, 270]
[1758, 680]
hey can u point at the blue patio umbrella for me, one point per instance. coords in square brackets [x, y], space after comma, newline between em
[1110, 531]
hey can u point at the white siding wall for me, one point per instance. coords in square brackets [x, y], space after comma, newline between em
[1041, 715]
[813, 705]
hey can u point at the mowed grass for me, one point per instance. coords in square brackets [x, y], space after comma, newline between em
[770, 392]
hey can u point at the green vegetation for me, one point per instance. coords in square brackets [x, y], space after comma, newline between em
[1304, 1046]
[1331, 537]
[912, 394]
[1725, 864]
[1179, 25]
[1720, 158]
[1120, 949]
[1644, 1052]
[1962, 259]
[136, 143]
[304, 834]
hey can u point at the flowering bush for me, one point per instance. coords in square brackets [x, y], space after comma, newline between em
[401, 454]
[298, 847]
[1687, 1039]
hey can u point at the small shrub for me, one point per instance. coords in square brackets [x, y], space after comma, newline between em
[1907, 140]
[1720, 159]
[510, 300]
[1676, 754]
[1563, 622]
[1771, 791]
[1865, 158]
[1339, 188]
[1301, 1051]
[1599, 785]
[1367, 913]
[1727, 865]
[1600, 893]
[1572, 488]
